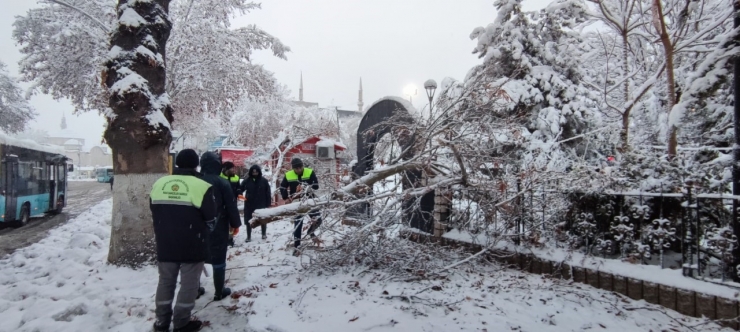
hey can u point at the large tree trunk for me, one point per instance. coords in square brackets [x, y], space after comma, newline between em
[138, 130]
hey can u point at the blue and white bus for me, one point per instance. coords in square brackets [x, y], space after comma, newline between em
[33, 180]
[104, 174]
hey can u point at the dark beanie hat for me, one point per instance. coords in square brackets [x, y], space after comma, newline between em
[295, 162]
[187, 158]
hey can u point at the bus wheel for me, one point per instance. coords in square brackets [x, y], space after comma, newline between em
[60, 204]
[25, 215]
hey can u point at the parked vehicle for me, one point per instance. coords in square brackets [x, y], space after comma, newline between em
[33, 179]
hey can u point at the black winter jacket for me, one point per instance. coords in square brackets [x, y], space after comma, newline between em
[236, 187]
[228, 213]
[183, 211]
[307, 180]
[256, 190]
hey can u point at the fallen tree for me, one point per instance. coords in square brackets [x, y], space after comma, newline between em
[348, 195]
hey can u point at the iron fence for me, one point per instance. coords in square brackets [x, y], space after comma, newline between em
[685, 230]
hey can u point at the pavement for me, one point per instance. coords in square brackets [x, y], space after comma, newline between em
[81, 196]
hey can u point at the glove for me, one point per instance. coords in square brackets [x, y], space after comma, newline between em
[234, 231]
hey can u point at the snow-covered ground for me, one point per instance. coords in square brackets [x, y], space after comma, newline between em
[652, 272]
[63, 283]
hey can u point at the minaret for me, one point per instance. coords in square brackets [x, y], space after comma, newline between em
[300, 90]
[64, 122]
[359, 99]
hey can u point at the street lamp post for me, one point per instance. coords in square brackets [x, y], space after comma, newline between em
[440, 207]
[431, 86]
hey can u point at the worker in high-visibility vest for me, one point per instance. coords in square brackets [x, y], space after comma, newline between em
[228, 173]
[301, 182]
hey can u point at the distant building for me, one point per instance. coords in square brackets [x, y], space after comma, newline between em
[300, 101]
[65, 137]
[341, 114]
[75, 149]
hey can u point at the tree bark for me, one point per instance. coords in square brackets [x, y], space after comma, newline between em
[665, 39]
[138, 129]
[736, 153]
[624, 135]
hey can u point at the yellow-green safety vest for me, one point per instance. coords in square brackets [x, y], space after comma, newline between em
[234, 178]
[179, 190]
[292, 177]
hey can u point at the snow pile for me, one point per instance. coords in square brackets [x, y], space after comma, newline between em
[64, 284]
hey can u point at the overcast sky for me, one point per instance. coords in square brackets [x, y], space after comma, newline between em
[389, 43]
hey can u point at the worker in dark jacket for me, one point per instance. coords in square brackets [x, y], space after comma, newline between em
[259, 196]
[301, 182]
[228, 217]
[228, 172]
[184, 213]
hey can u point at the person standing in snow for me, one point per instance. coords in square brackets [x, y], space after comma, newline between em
[228, 173]
[301, 182]
[184, 212]
[258, 196]
[111, 183]
[228, 217]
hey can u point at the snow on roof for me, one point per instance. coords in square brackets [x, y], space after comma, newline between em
[234, 148]
[72, 142]
[410, 108]
[29, 144]
[104, 148]
[328, 142]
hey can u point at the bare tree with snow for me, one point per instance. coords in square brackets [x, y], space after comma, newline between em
[14, 108]
[209, 67]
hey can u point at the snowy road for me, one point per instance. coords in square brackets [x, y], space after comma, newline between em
[82, 196]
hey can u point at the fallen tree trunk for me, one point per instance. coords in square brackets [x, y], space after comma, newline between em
[346, 195]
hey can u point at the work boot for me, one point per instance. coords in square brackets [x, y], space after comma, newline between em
[225, 292]
[248, 240]
[201, 291]
[192, 326]
[264, 236]
[161, 326]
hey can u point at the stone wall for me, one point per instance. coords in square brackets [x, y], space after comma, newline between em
[686, 302]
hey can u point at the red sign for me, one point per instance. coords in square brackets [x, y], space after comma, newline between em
[236, 156]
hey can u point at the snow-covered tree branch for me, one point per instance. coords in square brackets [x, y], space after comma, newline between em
[14, 108]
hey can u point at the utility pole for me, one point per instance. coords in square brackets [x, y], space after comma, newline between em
[736, 152]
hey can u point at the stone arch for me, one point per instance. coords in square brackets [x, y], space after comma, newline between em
[392, 116]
